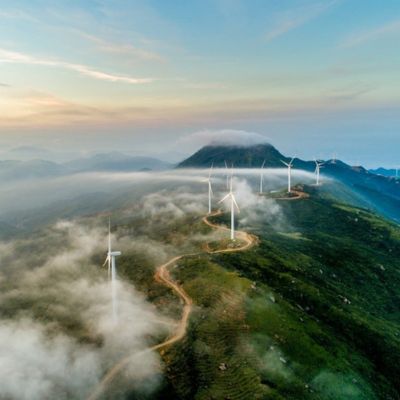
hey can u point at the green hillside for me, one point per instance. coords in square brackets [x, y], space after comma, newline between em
[312, 312]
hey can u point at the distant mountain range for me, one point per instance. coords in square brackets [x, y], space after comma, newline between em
[109, 162]
[116, 161]
[377, 192]
[377, 189]
[392, 173]
[18, 170]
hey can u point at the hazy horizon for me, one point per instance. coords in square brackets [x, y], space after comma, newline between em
[182, 149]
[314, 77]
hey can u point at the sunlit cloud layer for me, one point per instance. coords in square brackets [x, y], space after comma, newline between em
[19, 58]
[391, 28]
[308, 68]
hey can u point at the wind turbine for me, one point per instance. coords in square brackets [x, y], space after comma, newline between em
[227, 175]
[112, 272]
[289, 166]
[262, 177]
[210, 192]
[318, 166]
[231, 196]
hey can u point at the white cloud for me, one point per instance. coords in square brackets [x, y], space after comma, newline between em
[41, 357]
[16, 14]
[389, 28]
[221, 137]
[119, 48]
[297, 17]
[7, 56]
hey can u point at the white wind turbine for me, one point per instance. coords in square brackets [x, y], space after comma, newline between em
[231, 196]
[262, 177]
[210, 192]
[289, 166]
[227, 174]
[318, 166]
[112, 273]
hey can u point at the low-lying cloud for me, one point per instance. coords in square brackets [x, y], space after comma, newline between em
[57, 333]
[229, 137]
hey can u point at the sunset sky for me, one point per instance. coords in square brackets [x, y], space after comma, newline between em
[314, 77]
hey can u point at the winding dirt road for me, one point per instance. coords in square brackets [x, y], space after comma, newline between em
[248, 239]
[298, 196]
[162, 275]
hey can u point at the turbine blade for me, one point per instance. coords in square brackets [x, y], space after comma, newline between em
[210, 186]
[109, 234]
[262, 166]
[209, 175]
[285, 163]
[234, 202]
[106, 261]
[225, 197]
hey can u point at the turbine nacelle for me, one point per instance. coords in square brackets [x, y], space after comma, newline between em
[318, 166]
[289, 167]
[290, 164]
[112, 274]
[232, 197]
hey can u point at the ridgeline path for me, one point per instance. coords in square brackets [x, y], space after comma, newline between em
[163, 276]
[298, 196]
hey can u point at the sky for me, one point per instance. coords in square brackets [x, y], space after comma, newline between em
[315, 77]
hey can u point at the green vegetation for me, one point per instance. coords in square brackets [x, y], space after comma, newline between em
[312, 312]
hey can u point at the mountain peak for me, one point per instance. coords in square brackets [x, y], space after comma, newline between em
[239, 155]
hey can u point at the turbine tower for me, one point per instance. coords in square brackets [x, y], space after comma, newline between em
[231, 196]
[210, 192]
[227, 174]
[289, 166]
[262, 177]
[112, 273]
[318, 166]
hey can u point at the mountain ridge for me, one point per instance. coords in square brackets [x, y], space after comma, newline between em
[380, 192]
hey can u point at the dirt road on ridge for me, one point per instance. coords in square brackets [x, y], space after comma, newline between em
[162, 275]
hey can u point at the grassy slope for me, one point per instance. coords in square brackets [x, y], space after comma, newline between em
[312, 313]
